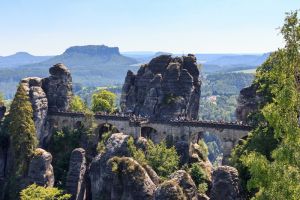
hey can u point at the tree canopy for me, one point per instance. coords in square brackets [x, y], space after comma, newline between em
[270, 156]
[35, 192]
[103, 101]
[22, 130]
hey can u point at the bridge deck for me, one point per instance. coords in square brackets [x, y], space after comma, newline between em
[137, 120]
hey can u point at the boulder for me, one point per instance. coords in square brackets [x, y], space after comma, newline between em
[40, 169]
[132, 181]
[152, 174]
[185, 181]
[225, 184]
[75, 184]
[58, 88]
[100, 173]
[169, 190]
[166, 88]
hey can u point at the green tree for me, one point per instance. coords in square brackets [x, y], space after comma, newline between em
[22, 131]
[103, 101]
[34, 192]
[162, 159]
[275, 173]
[77, 104]
[61, 145]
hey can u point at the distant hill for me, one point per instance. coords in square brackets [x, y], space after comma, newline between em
[230, 62]
[91, 65]
[212, 62]
[88, 56]
[21, 58]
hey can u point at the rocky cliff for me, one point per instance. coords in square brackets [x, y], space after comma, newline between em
[48, 94]
[165, 88]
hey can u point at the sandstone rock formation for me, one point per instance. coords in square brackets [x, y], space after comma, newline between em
[225, 184]
[165, 88]
[132, 181]
[2, 111]
[169, 190]
[58, 88]
[39, 102]
[48, 94]
[75, 184]
[100, 173]
[114, 175]
[184, 180]
[248, 102]
[40, 169]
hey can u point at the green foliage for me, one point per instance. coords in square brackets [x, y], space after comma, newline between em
[162, 159]
[274, 169]
[202, 188]
[102, 142]
[34, 192]
[77, 105]
[202, 150]
[136, 153]
[197, 173]
[61, 146]
[103, 101]
[22, 131]
[170, 99]
[2, 99]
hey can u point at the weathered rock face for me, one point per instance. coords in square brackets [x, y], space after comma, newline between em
[131, 182]
[165, 88]
[48, 94]
[169, 190]
[40, 169]
[185, 181]
[2, 111]
[248, 102]
[3, 161]
[225, 184]
[39, 102]
[100, 173]
[114, 175]
[75, 184]
[58, 88]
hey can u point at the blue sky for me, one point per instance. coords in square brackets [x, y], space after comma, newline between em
[48, 27]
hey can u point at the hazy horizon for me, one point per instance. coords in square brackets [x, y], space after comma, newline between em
[48, 27]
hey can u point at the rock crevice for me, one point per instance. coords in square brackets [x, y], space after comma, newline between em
[165, 88]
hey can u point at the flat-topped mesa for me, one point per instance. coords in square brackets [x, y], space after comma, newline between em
[165, 88]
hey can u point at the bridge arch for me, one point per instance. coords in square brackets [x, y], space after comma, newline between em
[151, 133]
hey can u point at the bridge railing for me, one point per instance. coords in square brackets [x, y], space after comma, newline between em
[137, 120]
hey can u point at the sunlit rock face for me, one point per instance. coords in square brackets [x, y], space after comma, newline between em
[248, 102]
[39, 102]
[52, 93]
[58, 87]
[226, 184]
[165, 88]
[40, 169]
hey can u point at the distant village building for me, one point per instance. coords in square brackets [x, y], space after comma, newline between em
[212, 99]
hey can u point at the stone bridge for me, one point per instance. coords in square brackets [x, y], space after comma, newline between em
[191, 131]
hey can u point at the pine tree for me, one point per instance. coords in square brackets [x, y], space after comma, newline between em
[22, 131]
